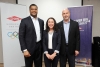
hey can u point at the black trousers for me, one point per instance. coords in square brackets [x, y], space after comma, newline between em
[36, 57]
[68, 57]
[97, 60]
[51, 63]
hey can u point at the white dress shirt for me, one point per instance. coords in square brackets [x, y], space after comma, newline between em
[37, 28]
[50, 40]
[66, 29]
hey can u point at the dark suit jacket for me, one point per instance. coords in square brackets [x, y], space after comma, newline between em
[73, 38]
[56, 40]
[27, 34]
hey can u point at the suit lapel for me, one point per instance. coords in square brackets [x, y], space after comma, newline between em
[46, 36]
[53, 36]
[62, 27]
[31, 22]
[62, 30]
[40, 24]
[70, 27]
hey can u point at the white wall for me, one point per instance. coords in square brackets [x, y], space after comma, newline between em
[96, 16]
[1, 52]
[9, 1]
[50, 8]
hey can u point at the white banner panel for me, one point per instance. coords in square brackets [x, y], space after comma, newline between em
[11, 16]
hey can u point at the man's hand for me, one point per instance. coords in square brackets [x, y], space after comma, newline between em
[48, 55]
[26, 54]
[76, 52]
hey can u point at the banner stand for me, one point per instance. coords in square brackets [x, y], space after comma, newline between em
[11, 15]
[83, 15]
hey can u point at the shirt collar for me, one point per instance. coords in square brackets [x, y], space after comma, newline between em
[33, 18]
[66, 22]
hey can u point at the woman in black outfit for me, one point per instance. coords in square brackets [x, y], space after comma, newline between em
[51, 43]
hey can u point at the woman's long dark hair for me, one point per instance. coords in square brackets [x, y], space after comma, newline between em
[55, 25]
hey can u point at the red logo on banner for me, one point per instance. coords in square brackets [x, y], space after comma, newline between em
[14, 18]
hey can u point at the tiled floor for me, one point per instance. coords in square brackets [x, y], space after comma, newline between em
[1, 65]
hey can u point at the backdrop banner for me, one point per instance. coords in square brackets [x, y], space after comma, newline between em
[83, 15]
[11, 15]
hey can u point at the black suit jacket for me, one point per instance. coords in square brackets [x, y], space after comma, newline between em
[73, 38]
[56, 40]
[27, 34]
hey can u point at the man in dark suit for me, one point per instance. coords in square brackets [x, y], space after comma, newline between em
[30, 37]
[70, 39]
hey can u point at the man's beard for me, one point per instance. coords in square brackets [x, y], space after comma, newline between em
[34, 15]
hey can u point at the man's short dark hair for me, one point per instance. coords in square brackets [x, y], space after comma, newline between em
[33, 5]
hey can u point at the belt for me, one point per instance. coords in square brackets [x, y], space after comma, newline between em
[66, 44]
